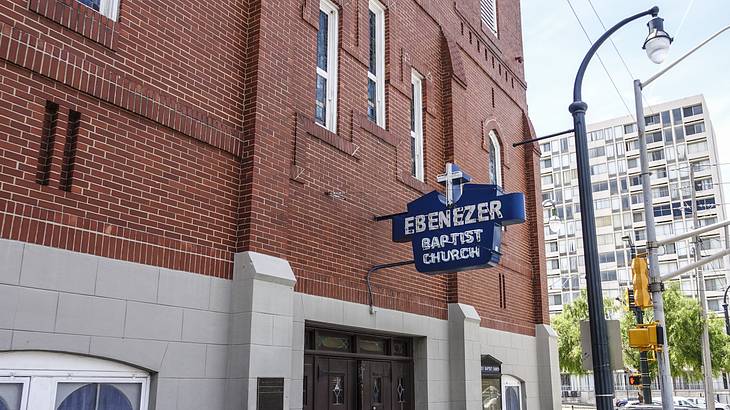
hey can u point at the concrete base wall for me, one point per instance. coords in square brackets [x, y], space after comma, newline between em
[206, 340]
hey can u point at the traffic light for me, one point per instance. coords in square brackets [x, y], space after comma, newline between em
[647, 336]
[640, 276]
[630, 302]
[635, 380]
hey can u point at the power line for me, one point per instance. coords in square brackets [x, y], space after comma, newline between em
[580, 23]
[626, 66]
[684, 18]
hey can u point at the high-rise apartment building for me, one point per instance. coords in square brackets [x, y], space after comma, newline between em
[679, 135]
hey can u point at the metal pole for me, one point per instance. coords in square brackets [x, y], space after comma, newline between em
[644, 364]
[724, 299]
[665, 373]
[705, 337]
[599, 335]
[643, 356]
[727, 316]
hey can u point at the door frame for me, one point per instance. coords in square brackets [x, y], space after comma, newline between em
[395, 349]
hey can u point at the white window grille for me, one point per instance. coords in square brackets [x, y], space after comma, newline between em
[417, 126]
[495, 159]
[376, 67]
[325, 111]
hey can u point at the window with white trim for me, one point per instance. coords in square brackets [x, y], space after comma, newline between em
[43, 380]
[325, 111]
[109, 8]
[376, 67]
[489, 14]
[495, 159]
[417, 125]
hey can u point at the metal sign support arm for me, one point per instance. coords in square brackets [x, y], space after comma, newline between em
[377, 268]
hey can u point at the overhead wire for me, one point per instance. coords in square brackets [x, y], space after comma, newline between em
[620, 56]
[580, 23]
[684, 18]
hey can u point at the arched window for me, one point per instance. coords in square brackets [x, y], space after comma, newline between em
[60, 381]
[495, 159]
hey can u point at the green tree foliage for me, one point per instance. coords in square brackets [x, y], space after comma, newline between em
[684, 327]
[567, 325]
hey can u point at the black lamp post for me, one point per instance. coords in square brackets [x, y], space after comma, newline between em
[727, 316]
[599, 335]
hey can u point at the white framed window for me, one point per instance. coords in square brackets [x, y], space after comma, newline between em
[511, 393]
[32, 380]
[489, 14]
[417, 125]
[109, 8]
[495, 159]
[13, 393]
[376, 66]
[325, 111]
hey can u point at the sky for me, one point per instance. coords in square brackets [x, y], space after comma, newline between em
[555, 44]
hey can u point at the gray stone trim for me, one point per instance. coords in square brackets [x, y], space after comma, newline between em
[548, 366]
[207, 340]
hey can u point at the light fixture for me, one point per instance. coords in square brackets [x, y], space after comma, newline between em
[554, 222]
[658, 41]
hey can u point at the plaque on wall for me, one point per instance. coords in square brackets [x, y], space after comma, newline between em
[270, 393]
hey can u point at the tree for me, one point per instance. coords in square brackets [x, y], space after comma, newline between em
[684, 327]
[567, 325]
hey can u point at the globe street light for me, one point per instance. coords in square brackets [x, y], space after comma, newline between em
[554, 222]
[658, 41]
[656, 45]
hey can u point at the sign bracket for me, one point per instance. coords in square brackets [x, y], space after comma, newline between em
[379, 218]
[377, 268]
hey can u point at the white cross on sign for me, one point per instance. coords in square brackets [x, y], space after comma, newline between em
[453, 178]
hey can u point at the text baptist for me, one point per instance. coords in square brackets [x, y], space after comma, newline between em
[452, 239]
[458, 216]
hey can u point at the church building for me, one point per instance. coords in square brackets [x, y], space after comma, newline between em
[199, 202]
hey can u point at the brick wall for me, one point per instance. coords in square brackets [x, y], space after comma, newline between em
[195, 139]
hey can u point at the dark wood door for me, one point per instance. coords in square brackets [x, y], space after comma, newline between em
[335, 384]
[402, 386]
[376, 386]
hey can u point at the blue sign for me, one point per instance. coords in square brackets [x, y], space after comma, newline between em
[461, 230]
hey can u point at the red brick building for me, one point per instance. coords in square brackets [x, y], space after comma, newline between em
[190, 189]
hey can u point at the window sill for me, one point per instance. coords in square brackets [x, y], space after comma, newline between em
[78, 18]
[312, 128]
[374, 129]
[412, 182]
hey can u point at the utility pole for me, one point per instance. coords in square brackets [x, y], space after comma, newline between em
[655, 286]
[705, 338]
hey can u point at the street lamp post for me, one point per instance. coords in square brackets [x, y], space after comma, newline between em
[656, 286]
[727, 315]
[599, 336]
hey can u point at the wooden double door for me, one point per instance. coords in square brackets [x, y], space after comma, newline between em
[337, 383]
